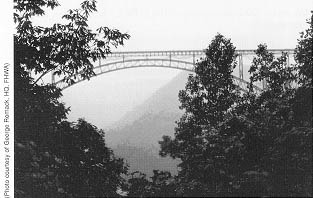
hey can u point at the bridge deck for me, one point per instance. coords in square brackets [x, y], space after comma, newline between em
[186, 52]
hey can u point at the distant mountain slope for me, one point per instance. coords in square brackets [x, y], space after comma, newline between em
[163, 100]
[135, 137]
[146, 131]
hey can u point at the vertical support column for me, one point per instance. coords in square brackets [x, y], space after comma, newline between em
[193, 59]
[240, 66]
[52, 78]
[170, 59]
[100, 65]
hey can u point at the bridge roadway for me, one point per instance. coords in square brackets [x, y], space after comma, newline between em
[186, 52]
[176, 59]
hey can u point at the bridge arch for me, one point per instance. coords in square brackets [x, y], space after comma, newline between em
[146, 62]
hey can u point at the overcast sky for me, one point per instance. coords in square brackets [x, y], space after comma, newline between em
[186, 24]
[174, 25]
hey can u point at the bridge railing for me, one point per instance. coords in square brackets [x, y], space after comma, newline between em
[187, 52]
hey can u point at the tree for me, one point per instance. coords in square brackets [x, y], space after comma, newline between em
[269, 118]
[66, 49]
[55, 158]
[207, 98]
[88, 168]
[288, 121]
[138, 185]
[250, 144]
[284, 136]
[294, 147]
[304, 54]
[73, 162]
[162, 184]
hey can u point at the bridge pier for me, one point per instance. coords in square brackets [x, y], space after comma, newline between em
[240, 66]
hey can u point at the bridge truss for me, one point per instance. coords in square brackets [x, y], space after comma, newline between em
[179, 59]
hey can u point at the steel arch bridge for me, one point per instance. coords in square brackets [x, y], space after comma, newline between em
[182, 60]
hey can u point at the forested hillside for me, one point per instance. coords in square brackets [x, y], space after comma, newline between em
[137, 134]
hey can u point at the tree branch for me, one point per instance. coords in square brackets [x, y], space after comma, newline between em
[41, 76]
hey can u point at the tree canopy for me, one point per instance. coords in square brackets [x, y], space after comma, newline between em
[245, 144]
[54, 157]
[66, 49]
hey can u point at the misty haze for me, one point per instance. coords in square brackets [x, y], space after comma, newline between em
[163, 98]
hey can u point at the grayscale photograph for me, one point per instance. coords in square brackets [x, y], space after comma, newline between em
[158, 98]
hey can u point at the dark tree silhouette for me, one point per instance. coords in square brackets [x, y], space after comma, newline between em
[55, 158]
[207, 98]
[67, 49]
[250, 144]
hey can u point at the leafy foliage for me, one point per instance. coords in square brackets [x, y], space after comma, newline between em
[138, 185]
[208, 97]
[251, 144]
[73, 161]
[304, 51]
[66, 49]
[55, 158]
[162, 184]
[274, 72]
[89, 167]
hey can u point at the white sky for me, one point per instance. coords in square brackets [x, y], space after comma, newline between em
[186, 24]
[174, 25]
